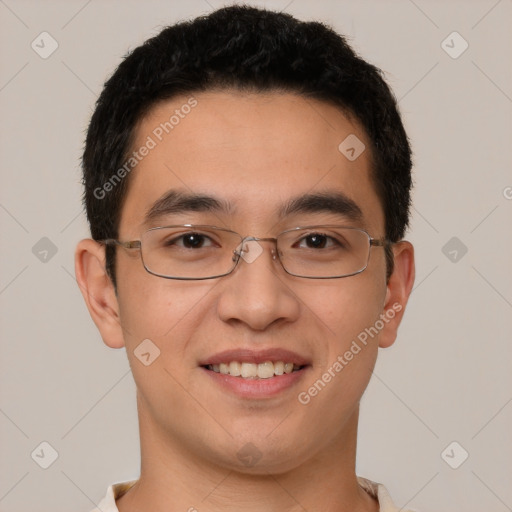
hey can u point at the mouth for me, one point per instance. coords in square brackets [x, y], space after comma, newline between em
[253, 374]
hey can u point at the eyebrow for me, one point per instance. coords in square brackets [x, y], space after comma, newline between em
[328, 202]
[177, 202]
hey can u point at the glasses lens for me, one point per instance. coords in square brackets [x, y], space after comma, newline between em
[189, 252]
[324, 251]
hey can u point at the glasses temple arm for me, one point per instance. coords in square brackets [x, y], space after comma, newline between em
[132, 244]
[381, 242]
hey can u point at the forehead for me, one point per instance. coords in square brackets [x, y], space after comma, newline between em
[254, 151]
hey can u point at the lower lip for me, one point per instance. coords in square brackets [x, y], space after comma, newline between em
[256, 388]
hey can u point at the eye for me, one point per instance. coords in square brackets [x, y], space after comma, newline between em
[190, 241]
[317, 241]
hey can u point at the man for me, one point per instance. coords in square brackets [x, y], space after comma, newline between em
[247, 183]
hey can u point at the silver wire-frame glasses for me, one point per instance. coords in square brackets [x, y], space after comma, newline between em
[194, 252]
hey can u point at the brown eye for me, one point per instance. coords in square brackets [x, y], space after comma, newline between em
[189, 241]
[317, 241]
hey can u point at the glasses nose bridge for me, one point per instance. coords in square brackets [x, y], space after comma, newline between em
[259, 239]
[240, 249]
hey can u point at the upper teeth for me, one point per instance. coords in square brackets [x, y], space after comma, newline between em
[252, 370]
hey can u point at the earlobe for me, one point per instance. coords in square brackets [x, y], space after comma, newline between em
[98, 291]
[398, 290]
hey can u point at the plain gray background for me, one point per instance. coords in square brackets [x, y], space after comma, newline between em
[448, 376]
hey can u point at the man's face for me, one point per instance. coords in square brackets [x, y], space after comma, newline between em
[255, 152]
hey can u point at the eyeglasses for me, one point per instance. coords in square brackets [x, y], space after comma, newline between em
[193, 252]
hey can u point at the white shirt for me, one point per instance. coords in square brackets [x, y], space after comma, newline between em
[376, 490]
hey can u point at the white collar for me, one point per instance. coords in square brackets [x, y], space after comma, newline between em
[374, 489]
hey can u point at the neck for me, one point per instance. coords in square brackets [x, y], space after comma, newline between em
[172, 479]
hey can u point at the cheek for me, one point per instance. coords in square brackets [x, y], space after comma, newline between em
[159, 309]
[346, 352]
[167, 313]
[346, 313]
[346, 307]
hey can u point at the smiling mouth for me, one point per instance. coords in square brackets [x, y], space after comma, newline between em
[265, 370]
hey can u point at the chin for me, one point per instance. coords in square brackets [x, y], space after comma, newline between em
[260, 456]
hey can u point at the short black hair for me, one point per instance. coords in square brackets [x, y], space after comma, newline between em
[248, 49]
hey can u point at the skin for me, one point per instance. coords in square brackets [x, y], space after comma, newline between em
[255, 151]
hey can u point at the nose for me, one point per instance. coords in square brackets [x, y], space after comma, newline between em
[256, 292]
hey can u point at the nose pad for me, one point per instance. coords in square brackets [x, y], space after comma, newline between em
[249, 250]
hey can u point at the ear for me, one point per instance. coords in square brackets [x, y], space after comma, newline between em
[398, 289]
[98, 291]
